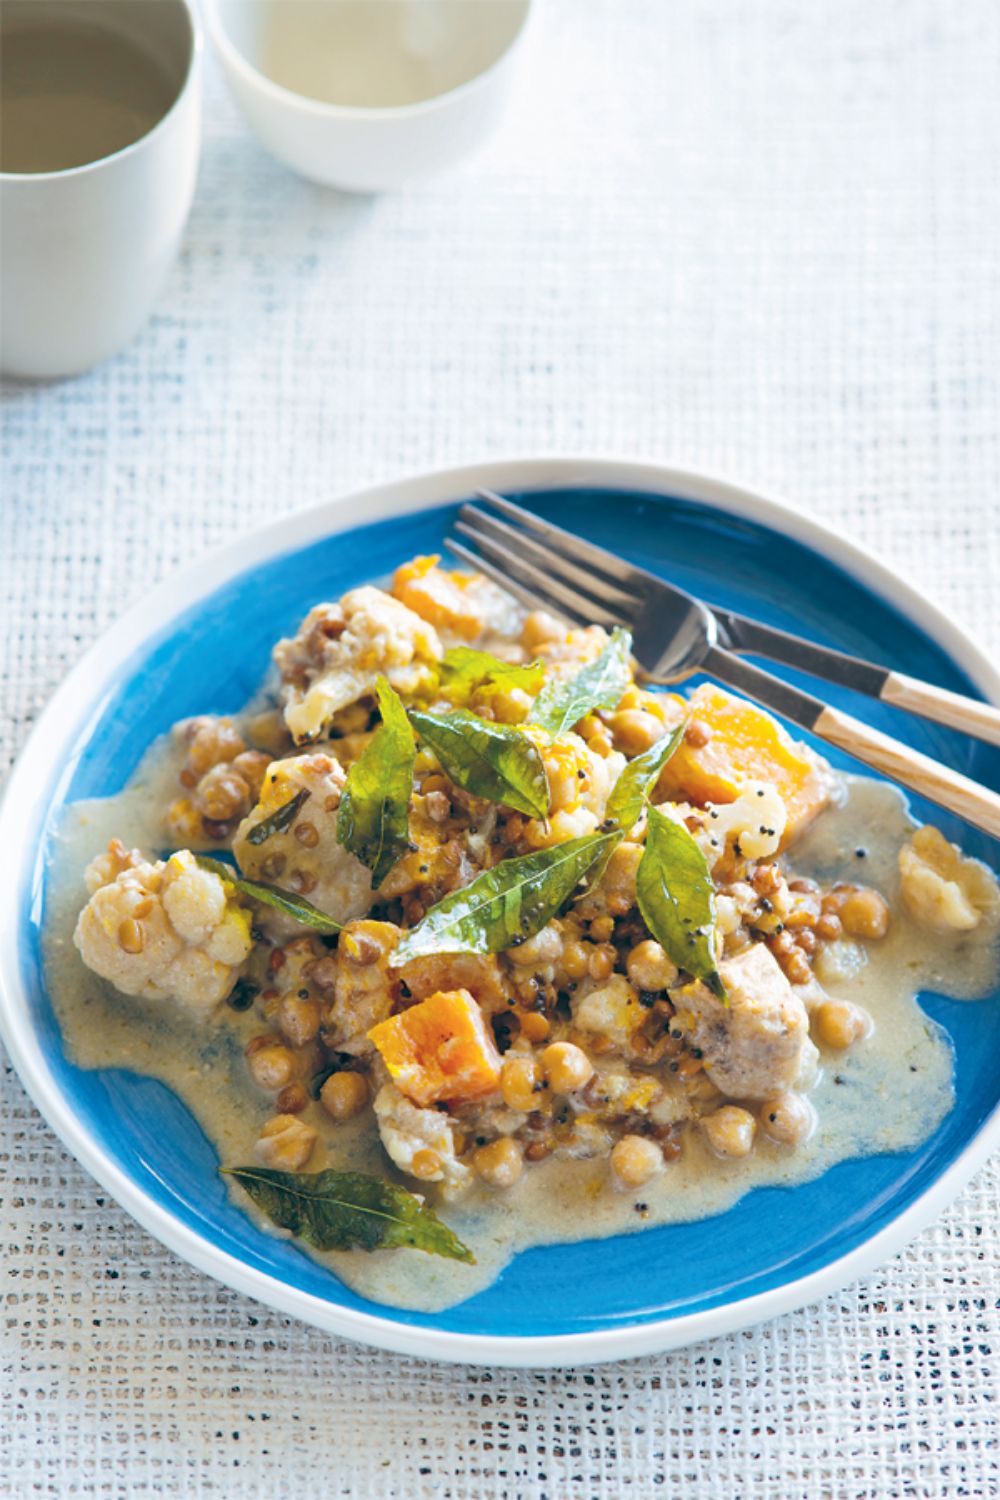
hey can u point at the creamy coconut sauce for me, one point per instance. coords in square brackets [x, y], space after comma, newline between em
[887, 1094]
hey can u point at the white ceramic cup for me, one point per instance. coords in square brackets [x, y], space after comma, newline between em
[356, 145]
[84, 251]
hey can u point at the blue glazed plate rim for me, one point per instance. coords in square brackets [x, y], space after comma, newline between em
[41, 772]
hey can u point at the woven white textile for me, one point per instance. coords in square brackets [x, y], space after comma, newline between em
[754, 236]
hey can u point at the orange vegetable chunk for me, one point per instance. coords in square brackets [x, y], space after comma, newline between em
[439, 597]
[745, 744]
[441, 1049]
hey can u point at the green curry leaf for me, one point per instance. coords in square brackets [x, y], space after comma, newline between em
[297, 907]
[463, 672]
[495, 761]
[600, 684]
[632, 790]
[373, 819]
[278, 821]
[677, 898]
[505, 905]
[348, 1211]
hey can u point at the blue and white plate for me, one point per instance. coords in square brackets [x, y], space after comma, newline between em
[201, 644]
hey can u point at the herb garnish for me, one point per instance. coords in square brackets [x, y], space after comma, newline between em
[633, 789]
[495, 761]
[278, 821]
[373, 818]
[348, 1211]
[677, 898]
[465, 672]
[505, 905]
[600, 684]
[297, 907]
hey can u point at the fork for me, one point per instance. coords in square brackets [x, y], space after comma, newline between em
[675, 635]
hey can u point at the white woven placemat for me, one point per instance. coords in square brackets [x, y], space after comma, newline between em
[750, 235]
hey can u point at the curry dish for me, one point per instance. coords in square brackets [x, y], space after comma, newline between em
[463, 940]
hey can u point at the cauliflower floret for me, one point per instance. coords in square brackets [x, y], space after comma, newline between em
[105, 867]
[563, 651]
[342, 648]
[580, 783]
[165, 931]
[609, 1006]
[405, 1129]
[758, 1044]
[305, 857]
[756, 820]
[942, 888]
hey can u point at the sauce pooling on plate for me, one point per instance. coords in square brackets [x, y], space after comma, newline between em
[694, 962]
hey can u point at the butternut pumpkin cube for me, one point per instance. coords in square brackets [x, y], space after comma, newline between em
[441, 1049]
[444, 599]
[745, 744]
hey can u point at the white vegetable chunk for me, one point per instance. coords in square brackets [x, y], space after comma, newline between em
[759, 1043]
[305, 857]
[342, 648]
[164, 931]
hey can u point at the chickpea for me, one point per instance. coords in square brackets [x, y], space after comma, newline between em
[271, 1067]
[829, 927]
[222, 794]
[865, 914]
[215, 741]
[567, 1067]
[285, 1143]
[634, 1160]
[575, 959]
[521, 1084]
[840, 1023]
[299, 1019]
[252, 766]
[649, 968]
[730, 1131]
[601, 929]
[635, 730]
[540, 628]
[534, 1026]
[500, 1163]
[601, 963]
[344, 1095]
[788, 1118]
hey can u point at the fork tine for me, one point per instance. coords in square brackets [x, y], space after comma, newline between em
[565, 544]
[532, 576]
[594, 589]
[533, 597]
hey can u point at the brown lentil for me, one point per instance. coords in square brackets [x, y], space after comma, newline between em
[131, 936]
[697, 734]
[292, 1100]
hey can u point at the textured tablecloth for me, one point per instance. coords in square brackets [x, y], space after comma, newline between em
[755, 236]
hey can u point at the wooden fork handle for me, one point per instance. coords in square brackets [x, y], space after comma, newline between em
[928, 778]
[982, 720]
